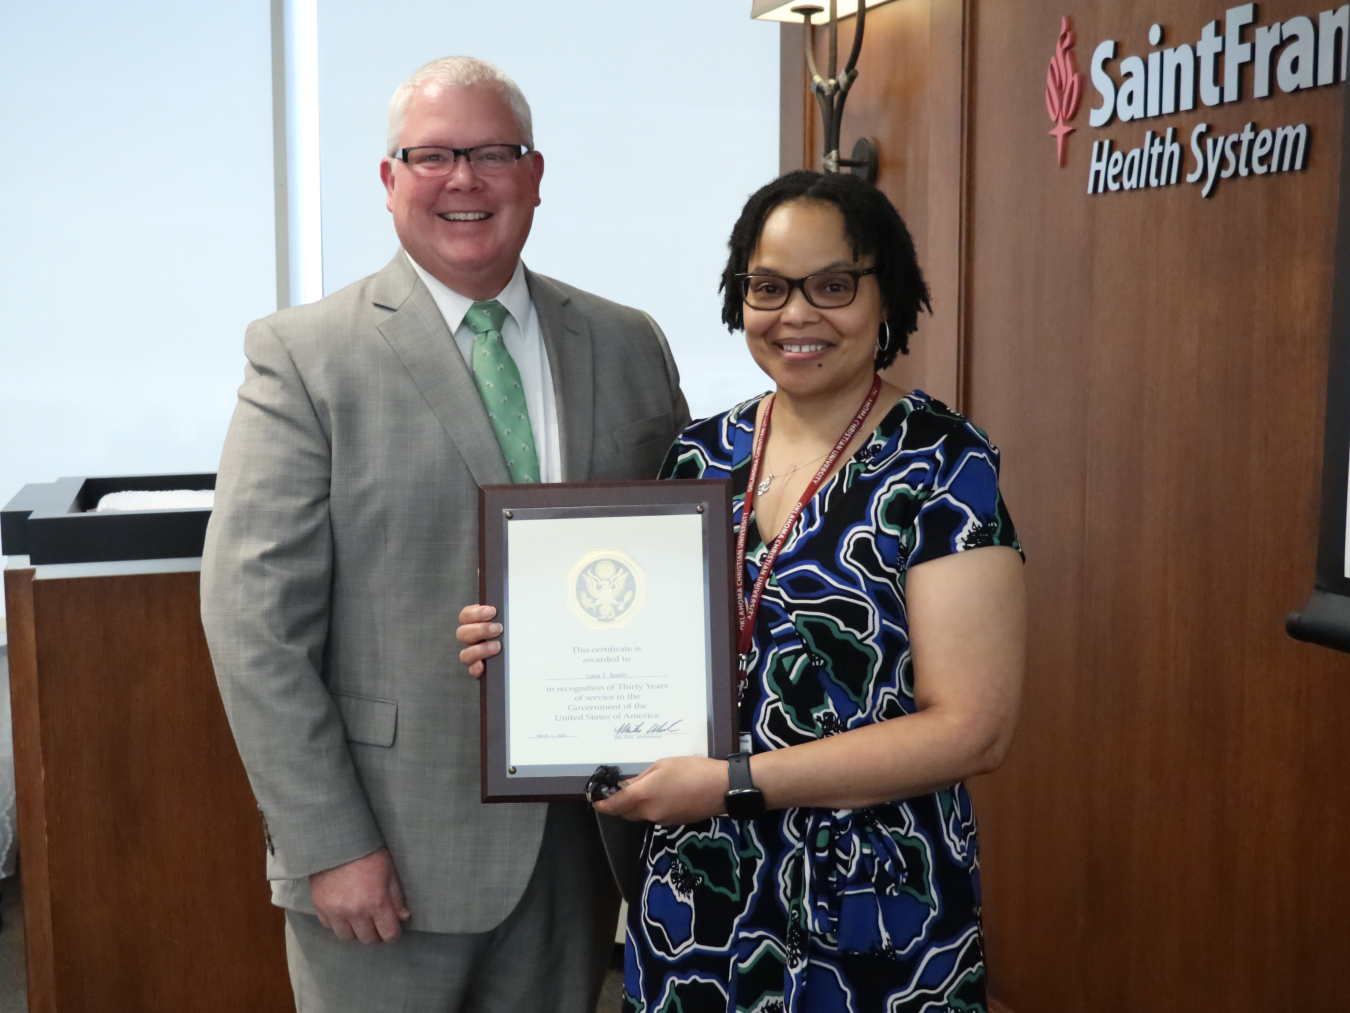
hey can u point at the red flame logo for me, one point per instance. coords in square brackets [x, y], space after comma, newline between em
[1063, 87]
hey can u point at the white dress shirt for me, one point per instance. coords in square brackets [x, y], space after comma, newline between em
[525, 341]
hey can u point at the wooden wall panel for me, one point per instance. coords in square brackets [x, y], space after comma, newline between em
[1168, 832]
[141, 844]
[910, 96]
[795, 102]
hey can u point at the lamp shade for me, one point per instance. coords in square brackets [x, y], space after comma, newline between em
[781, 10]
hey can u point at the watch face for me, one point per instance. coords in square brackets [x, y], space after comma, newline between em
[745, 804]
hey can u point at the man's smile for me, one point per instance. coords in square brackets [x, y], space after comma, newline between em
[465, 216]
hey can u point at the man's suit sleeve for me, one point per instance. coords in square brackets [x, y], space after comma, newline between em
[266, 572]
[679, 408]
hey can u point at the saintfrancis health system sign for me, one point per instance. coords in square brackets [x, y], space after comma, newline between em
[1300, 53]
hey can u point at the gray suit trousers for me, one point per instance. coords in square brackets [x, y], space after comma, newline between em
[550, 953]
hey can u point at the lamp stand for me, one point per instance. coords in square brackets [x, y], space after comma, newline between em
[831, 92]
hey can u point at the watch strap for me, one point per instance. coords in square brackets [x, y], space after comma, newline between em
[743, 800]
[738, 772]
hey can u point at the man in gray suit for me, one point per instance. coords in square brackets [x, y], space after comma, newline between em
[344, 543]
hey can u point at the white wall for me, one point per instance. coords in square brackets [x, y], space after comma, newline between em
[136, 231]
[656, 122]
[136, 224]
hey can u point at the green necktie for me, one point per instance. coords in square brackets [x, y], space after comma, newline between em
[498, 382]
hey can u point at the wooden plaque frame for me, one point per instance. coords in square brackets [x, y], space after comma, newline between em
[499, 504]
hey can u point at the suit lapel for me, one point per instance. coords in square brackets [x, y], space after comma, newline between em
[418, 334]
[567, 339]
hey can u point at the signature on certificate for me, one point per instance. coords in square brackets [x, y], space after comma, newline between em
[648, 729]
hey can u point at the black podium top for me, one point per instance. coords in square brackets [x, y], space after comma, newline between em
[52, 522]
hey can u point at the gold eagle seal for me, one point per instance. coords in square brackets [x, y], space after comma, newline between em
[606, 588]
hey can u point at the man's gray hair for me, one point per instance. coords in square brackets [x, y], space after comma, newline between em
[452, 71]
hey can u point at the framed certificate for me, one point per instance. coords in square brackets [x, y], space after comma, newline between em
[616, 606]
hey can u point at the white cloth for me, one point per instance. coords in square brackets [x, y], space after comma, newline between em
[160, 499]
[525, 341]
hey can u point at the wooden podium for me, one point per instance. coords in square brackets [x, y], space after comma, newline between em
[141, 847]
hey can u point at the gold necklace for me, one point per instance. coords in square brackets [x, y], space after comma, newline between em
[763, 486]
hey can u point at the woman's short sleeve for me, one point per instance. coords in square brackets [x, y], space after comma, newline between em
[688, 457]
[961, 507]
[707, 448]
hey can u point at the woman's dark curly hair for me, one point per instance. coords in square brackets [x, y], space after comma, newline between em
[872, 225]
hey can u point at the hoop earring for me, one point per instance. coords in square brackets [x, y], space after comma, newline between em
[884, 346]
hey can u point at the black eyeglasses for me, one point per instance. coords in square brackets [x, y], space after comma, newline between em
[830, 290]
[485, 159]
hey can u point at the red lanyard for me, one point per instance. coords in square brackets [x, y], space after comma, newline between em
[745, 612]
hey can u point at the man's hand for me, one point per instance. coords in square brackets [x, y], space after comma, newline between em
[678, 789]
[361, 900]
[476, 631]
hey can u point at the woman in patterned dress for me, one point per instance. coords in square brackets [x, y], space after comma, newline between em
[886, 662]
[898, 595]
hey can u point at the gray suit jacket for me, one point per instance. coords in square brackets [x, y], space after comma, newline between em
[344, 542]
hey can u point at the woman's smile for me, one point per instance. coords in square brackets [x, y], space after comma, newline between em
[802, 349]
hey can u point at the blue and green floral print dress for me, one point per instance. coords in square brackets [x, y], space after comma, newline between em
[808, 910]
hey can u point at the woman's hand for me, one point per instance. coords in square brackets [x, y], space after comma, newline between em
[678, 789]
[476, 631]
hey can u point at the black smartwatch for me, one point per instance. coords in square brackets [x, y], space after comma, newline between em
[743, 800]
